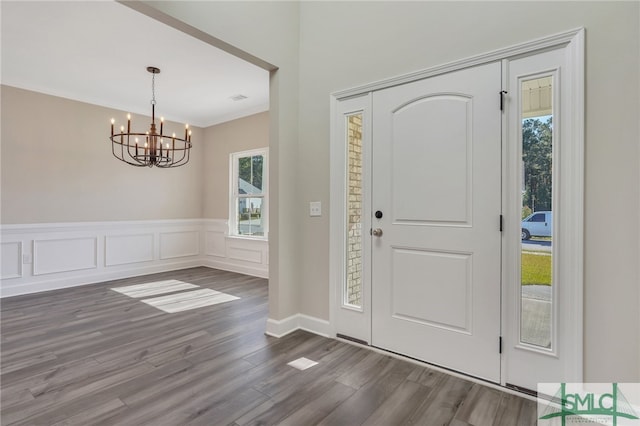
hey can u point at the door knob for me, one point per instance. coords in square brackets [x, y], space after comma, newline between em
[376, 232]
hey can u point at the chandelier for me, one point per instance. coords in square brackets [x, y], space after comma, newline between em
[152, 148]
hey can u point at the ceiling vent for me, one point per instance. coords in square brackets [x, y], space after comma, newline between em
[238, 98]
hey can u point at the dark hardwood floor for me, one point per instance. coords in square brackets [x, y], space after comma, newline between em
[91, 356]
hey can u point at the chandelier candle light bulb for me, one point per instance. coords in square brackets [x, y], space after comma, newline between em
[155, 154]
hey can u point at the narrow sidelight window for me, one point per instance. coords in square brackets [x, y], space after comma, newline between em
[537, 212]
[352, 294]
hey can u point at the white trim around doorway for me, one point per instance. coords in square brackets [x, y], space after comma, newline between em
[572, 236]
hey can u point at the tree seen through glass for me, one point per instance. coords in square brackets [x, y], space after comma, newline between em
[537, 137]
[537, 215]
[250, 174]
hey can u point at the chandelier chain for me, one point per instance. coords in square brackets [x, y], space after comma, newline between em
[153, 88]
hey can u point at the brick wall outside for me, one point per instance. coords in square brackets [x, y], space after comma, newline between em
[354, 211]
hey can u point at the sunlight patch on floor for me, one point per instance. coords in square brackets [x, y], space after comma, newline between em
[179, 300]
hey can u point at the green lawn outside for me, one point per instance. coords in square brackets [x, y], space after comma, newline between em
[536, 269]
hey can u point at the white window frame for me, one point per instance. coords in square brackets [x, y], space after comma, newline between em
[234, 194]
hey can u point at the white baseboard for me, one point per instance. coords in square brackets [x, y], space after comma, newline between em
[232, 267]
[280, 328]
[77, 281]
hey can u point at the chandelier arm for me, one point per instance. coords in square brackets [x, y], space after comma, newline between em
[130, 157]
[188, 152]
[176, 159]
[184, 153]
[135, 153]
[121, 147]
[113, 148]
[124, 159]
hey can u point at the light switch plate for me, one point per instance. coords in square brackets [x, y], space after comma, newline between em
[315, 208]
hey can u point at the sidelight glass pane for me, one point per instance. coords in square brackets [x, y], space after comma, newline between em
[250, 216]
[536, 300]
[352, 294]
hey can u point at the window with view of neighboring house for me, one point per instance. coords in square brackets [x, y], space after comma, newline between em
[248, 201]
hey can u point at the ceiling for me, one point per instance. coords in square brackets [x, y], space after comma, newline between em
[98, 52]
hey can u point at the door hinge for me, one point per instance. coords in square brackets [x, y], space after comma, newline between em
[502, 93]
[500, 344]
[501, 221]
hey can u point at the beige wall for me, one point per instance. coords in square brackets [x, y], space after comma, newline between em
[57, 166]
[243, 134]
[345, 44]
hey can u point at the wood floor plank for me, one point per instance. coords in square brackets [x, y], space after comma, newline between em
[92, 356]
[356, 409]
[427, 376]
[442, 405]
[319, 408]
[56, 404]
[94, 415]
[400, 405]
[226, 411]
[480, 405]
[509, 409]
[364, 371]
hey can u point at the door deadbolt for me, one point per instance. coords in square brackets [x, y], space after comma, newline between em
[379, 214]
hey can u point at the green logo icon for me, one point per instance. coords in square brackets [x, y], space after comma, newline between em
[589, 406]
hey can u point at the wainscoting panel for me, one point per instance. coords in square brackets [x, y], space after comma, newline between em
[11, 259]
[64, 255]
[179, 244]
[42, 257]
[237, 254]
[216, 244]
[245, 254]
[124, 249]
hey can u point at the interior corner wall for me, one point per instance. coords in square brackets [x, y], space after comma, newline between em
[269, 31]
[220, 141]
[57, 166]
[347, 44]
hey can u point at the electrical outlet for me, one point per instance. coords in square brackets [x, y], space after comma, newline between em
[315, 208]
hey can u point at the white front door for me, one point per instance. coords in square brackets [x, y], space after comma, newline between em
[436, 204]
